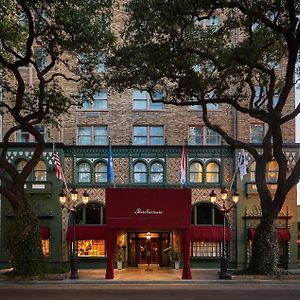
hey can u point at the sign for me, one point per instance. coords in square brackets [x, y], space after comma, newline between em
[148, 208]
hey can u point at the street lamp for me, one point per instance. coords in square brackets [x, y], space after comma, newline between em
[72, 209]
[224, 210]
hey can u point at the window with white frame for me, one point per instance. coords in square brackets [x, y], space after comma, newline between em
[142, 101]
[101, 172]
[196, 172]
[156, 172]
[99, 101]
[257, 132]
[201, 135]
[206, 249]
[212, 172]
[140, 172]
[148, 135]
[92, 135]
[22, 136]
[84, 172]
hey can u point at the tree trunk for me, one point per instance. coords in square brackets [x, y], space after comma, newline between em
[264, 259]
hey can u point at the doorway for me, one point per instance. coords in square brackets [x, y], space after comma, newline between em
[143, 249]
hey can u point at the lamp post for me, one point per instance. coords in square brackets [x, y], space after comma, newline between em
[72, 209]
[224, 210]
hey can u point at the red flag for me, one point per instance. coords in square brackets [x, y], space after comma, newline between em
[58, 171]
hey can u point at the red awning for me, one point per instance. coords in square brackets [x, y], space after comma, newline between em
[45, 233]
[209, 233]
[139, 208]
[86, 233]
[282, 233]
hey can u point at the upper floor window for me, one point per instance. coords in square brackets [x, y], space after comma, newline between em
[201, 135]
[92, 135]
[91, 213]
[101, 172]
[212, 172]
[209, 106]
[84, 172]
[148, 135]
[99, 101]
[20, 165]
[40, 171]
[22, 136]
[142, 101]
[206, 213]
[40, 56]
[196, 171]
[252, 171]
[213, 21]
[257, 133]
[140, 173]
[157, 172]
[272, 171]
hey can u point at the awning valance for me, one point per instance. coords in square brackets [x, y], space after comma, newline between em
[45, 233]
[282, 233]
[86, 232]
[139, 208]
[209, 233]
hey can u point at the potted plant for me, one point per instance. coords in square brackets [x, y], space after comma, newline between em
[174, 255]
[119, 257]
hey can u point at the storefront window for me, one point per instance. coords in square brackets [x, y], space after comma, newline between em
[201, 248]
[90, 248]
[46, 247]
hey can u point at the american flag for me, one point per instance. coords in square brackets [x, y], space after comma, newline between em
[183, 168]
[58, 171]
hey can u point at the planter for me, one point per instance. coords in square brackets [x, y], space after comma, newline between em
[119, 265]
[177, 263]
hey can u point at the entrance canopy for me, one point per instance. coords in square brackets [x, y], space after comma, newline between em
[148, 208]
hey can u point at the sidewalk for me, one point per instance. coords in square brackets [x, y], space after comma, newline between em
[156, 276]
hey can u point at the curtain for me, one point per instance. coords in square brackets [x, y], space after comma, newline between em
[111, 250]
[185, 252]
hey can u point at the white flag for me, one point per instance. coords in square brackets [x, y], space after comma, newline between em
[242, 163]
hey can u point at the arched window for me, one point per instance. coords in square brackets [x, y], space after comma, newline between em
[212, 172]
[196, 172]
[252, 171]
[40, 171]
[20, 165]
[157, 172]
[272, 171]
[140, 173]
[101, 172]
[84, 172]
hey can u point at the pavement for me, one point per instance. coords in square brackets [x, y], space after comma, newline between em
[155, 275]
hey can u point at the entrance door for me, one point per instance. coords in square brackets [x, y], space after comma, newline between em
[143, 251]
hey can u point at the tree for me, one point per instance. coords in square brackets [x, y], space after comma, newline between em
[43, 45]
[180, 48]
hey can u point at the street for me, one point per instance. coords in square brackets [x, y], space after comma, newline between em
[207, 291]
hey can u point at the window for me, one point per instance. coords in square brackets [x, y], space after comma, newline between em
[142, 101]
[22, 136]
[206, 214]
[90, 248]
[212, 172]
[40, 171]
[206, 249]
[92, 135]
[140, 173]
[148, 135]
[213, 21]
[201, 135]
[20, 165]
[84, 172]
[209, 106]
[272, 171]
[157, 172]
[101, 172]
[257, 133]
[196, 172]
[99, 101]
[40, 56]
[46, 247]
[252, 171]
[101, 65]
